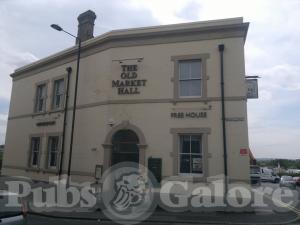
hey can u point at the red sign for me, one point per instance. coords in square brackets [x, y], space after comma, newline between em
[243, 151]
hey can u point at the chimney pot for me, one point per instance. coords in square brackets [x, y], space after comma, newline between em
[86, 25]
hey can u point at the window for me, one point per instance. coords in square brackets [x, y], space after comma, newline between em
[190, 78]
[58, 93]
[35, 151]
[190, 154]
[40, 104]
[53, 143]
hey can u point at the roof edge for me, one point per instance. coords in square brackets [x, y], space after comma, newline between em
[139, 33]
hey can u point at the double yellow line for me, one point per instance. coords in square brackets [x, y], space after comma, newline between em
[288, 206]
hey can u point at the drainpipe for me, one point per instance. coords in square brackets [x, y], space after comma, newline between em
[221, 51]
[69, 70]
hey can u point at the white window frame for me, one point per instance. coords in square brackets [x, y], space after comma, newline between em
[49, 150]
[190, 153]
[190, 79]
[53, 104]
[37, 98]
[32, 151]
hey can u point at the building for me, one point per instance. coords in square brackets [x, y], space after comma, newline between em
[147, 95]
[293, 171]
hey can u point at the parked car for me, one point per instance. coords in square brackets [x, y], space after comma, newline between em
[269, 176]
[287, 181]
[297, 180]
[255, 174]
[11, 215]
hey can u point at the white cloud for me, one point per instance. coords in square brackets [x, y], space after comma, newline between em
[164, 11]
[276, 142]
[283, 76]
[273, 118]
[10, 59]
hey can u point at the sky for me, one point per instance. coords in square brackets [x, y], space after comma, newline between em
[272, 51]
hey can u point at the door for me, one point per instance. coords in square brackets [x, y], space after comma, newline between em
[125, 147]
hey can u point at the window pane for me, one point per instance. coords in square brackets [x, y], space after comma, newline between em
[190, 88]
[57, 101]
[185, 163]
[196, 164]
[53, 159]
[195, 88]
[58, 93]
[52, 149]
[34, 158]
[190, 78]
[196, 144]
[53, 144]
[40, 104]
[35, 144]
[40, 98]
[195, 69]
[41, 90]
[184, 70]
[190, 154]
[184, 88]
[185, 144]
[35, 147]
[60, 86]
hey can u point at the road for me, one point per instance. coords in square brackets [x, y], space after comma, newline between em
[39, 220]
[260, 216]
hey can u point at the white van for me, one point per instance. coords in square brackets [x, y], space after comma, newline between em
[255, 175]
[268, 175]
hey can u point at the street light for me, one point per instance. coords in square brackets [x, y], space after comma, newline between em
[78, 40]
[56, 27]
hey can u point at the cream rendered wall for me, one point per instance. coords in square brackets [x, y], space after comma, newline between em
[96, 73]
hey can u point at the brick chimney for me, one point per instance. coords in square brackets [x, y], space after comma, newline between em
[86, 25]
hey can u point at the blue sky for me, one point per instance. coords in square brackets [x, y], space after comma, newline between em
[272, 51]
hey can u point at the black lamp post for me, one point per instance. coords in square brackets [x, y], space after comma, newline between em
[78, 40]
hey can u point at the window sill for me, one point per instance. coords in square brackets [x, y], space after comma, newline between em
[58, 110]
[189, 178]
[190, 99]
[39, 113]
[35, 169]
[49, 170]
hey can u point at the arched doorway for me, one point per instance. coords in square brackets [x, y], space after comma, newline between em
[108, 143]
[125, 147]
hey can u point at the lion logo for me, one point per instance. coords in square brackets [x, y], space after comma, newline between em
[130, 191]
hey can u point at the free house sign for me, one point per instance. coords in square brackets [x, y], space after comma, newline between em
[129, 84]
[189, 114]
